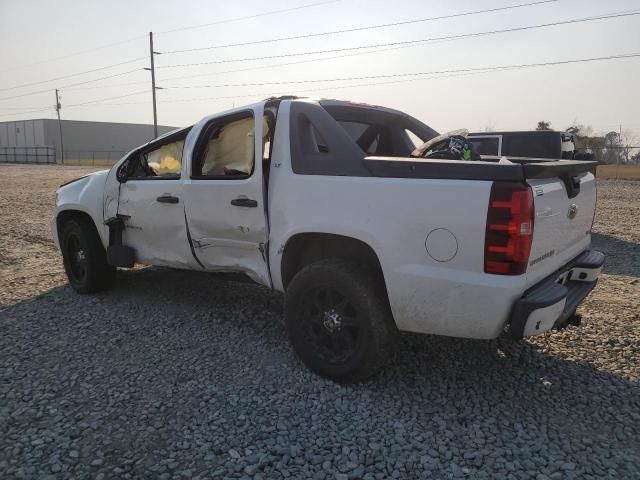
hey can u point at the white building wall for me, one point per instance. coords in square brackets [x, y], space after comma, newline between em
[92, 141]
[23, 141]
[23, 133]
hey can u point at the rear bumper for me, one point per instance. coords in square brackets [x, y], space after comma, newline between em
[552, 302]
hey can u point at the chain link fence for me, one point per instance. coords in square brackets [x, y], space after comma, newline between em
[92, 158]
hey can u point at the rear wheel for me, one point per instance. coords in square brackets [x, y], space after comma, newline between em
[84, 257]
[338, 320]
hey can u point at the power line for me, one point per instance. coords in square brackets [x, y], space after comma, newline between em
[267, 94]
[132, 39]
[394, 75]
[257, 15]
[48, 90]
[305, 61]
[106, 99]
[340, 87]
[395, 45]
[78, 104]
[358, 29]
[406, 42]
[260, 67]
[73, 74]
[310, 35]
[273, 12]
[284, 64]
[75, 54]
[454, 73]
[271, 93]
[434, 75]
[69, 85]
[128, 84]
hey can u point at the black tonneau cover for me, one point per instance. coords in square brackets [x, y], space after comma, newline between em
[560, 168]
[391, 167]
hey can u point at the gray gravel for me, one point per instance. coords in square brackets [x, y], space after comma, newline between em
[177, 375]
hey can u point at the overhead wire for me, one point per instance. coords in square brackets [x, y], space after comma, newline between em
[75, 54]
[48, 90]
[405, 42]
[394, 75]
[98, 100]
[106, 99]
[354, 50]
[416, 76]
[474, 12]
[358, 29]
[433, 39]
[311, 60]
[247, 17]
[141, 58]
[105, 67]
[139, 37]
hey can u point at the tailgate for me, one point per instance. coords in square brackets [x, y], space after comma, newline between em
[564, 195]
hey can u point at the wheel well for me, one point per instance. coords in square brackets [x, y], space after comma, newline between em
[66, 215]
[306, 248]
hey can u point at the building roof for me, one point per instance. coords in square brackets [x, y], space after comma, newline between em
[150, 125]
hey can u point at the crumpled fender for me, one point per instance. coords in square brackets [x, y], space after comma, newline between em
[84, 195]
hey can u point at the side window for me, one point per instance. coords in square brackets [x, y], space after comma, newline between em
[161, 162]
[226, 149]
[268, 124]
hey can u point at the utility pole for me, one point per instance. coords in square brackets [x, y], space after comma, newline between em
[153, 85]
[58, 107]
[619, 151]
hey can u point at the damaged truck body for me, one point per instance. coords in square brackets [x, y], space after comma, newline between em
[328, 202]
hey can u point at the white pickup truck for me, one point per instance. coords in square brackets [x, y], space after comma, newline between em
[321, 200]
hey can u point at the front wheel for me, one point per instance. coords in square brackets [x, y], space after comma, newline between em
[339, 321]
[84, 257]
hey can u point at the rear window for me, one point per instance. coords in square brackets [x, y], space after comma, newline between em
[485, 146]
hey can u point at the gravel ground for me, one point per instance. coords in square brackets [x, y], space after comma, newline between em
[177, 375]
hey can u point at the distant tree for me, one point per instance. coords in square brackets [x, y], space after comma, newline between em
[542, 125]
[585, 142]
[628, 140]
[612, 148]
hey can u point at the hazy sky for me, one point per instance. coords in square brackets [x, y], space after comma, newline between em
[602, 94]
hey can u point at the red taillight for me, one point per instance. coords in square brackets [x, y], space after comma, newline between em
[509, 229]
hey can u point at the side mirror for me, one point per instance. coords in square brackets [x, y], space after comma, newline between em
[123, 172]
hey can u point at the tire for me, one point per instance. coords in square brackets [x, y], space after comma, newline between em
[84, 257]
[338, 320]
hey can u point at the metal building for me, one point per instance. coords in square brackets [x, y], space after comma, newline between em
[98, 143]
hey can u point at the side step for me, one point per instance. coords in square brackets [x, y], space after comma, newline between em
[118, 255]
